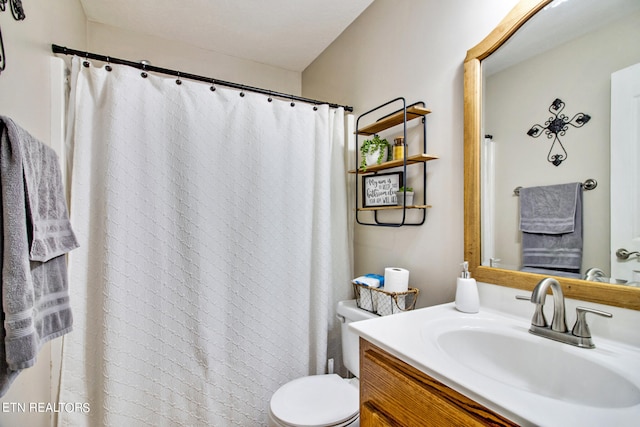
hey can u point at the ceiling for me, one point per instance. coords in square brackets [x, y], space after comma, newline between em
[288, 34]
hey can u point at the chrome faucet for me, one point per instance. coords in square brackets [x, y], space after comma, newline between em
[579, 336]
[539, 294]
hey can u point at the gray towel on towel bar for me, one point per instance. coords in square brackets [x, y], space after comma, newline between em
[551, 224]
[550, 209]
[35, 300]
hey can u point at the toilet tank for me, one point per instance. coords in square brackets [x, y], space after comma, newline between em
[349, 311]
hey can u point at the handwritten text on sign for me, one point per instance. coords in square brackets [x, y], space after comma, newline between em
[380, 190]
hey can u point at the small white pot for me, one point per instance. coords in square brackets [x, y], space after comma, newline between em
[372, 158]
[400, 197]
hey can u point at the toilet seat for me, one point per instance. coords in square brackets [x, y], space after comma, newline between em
[318, 401]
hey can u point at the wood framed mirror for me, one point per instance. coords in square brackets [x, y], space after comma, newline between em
[604, 293]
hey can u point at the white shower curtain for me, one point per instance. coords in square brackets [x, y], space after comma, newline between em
[214, 246]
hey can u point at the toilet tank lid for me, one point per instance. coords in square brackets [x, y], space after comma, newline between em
[349, 309]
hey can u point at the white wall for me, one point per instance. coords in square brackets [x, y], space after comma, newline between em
[25, 85]
[416, 50]
[25, 96]
[107, 40]
[579, 73]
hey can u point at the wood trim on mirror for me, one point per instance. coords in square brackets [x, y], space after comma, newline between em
[616, 295]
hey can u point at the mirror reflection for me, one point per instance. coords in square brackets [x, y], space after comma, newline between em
[547, 113]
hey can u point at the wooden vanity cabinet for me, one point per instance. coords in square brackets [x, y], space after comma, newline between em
[395, 394]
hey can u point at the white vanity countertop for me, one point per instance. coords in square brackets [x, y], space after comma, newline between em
[408, 337]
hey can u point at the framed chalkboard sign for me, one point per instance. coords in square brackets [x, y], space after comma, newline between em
[380, 189]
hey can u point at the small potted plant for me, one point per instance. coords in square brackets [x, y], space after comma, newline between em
[374, 150]
[400, 196]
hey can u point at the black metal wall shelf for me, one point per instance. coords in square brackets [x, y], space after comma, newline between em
[399, 117]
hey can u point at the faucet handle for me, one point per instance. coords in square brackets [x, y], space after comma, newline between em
[581, 328]
[538, 316]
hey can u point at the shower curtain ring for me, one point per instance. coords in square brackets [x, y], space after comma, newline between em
[270, 99]
[293, 104]
[108, 66]
[178, 81]
[144, 74]
[242, 91]
[86, 62]
[212, 88]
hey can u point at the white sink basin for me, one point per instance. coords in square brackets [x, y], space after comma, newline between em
[492, 358]
[522, 361]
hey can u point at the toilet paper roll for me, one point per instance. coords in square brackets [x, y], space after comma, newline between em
[396, 279]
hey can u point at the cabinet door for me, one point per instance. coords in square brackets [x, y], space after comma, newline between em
[373, 417]
[397, 394]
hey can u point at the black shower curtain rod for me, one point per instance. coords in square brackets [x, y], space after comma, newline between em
[66, 51]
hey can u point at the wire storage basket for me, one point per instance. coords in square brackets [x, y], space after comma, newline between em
[383, 303]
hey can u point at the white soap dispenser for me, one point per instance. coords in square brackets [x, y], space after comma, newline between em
[467, 299]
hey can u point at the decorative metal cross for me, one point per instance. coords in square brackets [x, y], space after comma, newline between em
[556, 126]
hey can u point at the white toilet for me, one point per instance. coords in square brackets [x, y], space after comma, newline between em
[324, 400]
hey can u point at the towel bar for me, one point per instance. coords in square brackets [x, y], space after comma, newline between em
[589, 184]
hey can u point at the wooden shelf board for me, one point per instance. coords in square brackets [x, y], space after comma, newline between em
[418, 158]
[388, 208]
[393, 120]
